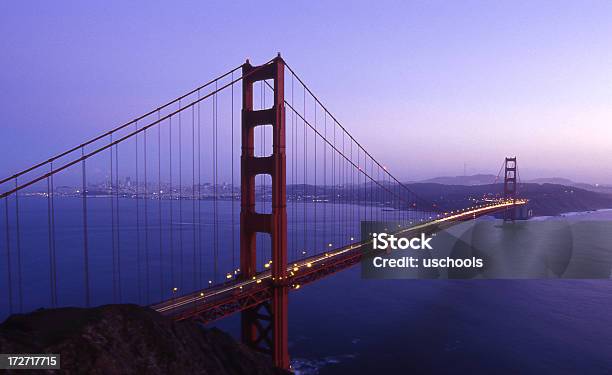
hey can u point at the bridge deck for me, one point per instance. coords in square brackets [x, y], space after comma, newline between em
[208, 305]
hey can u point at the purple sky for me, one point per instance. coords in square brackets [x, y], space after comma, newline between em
[449, 82]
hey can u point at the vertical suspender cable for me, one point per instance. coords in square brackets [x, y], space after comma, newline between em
[263, 147]
[215, 171]
[371, 190]
[232, 186]
[54, 263]
[9, 274]
[199, 196]
[18, 243]
[380, 196]
[113, 227]
[159, 210]
[49, 231]
[193, 202]
[344, 202]
[314, 232]
[261, 199]
[171, 195]
[85, 234]
[293, 172]
[146, 220]
[352, 213]
[358, 186]
[117, 222]
[325, 226]
[364, 188]
[112, 204]
[138, 250]
[180, 198]
[335, 183]
[305, 173]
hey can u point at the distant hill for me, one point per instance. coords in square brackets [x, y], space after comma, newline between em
[488, 179]
[606, 189]
[552, 180]
[473, 180]
[544, 199]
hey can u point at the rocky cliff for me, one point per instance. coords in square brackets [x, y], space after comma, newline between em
[128, 339]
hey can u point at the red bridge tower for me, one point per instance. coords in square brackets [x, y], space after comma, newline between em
[510, 169]
[264, 327]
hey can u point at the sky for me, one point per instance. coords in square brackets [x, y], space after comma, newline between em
[453, 84]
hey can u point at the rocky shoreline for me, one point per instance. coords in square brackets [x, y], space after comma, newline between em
[128, 339]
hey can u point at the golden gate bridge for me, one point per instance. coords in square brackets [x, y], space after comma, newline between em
[196, 232]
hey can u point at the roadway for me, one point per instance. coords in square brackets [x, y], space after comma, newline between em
[235, 295]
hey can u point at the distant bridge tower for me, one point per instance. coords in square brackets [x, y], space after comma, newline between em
[264, 327]
[510, 169]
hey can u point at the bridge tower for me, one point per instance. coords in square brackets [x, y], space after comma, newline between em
[510, 169]
[264, 327]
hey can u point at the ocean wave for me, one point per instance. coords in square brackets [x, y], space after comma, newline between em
[540, 218]
[302, 366]
[575, 214]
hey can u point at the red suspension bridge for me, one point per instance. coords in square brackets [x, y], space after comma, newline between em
[161, 210]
